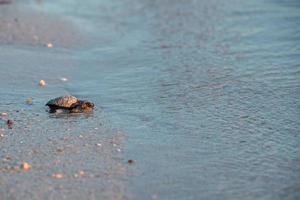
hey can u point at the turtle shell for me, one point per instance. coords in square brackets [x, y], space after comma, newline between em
[63, 102]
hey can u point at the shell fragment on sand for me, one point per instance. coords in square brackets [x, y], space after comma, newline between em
[42, 83]
[58, 176]
[25, 166]
[49, 45]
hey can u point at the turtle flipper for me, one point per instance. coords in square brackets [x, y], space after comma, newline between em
[77, 104]
[52, 110]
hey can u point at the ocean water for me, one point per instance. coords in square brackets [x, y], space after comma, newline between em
[206, 92]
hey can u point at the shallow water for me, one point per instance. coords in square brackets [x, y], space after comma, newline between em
[207, 93]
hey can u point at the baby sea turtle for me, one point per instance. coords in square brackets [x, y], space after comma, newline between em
[69, 103]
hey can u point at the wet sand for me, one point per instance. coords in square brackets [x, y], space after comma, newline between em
[71, 157]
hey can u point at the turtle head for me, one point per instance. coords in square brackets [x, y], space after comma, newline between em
[87, 106]
[82, 106]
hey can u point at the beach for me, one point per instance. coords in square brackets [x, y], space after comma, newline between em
[194, 99]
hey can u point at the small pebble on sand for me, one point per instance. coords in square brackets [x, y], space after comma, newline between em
[81, 173]
[25, 166]
[64, 79]
[4, 114]
[1, 132]
[130, 161]
[58, 176]
[7, 158]
[42, 83]
[49, 45]
[59, 151]
[29, 101]
[10, 123]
